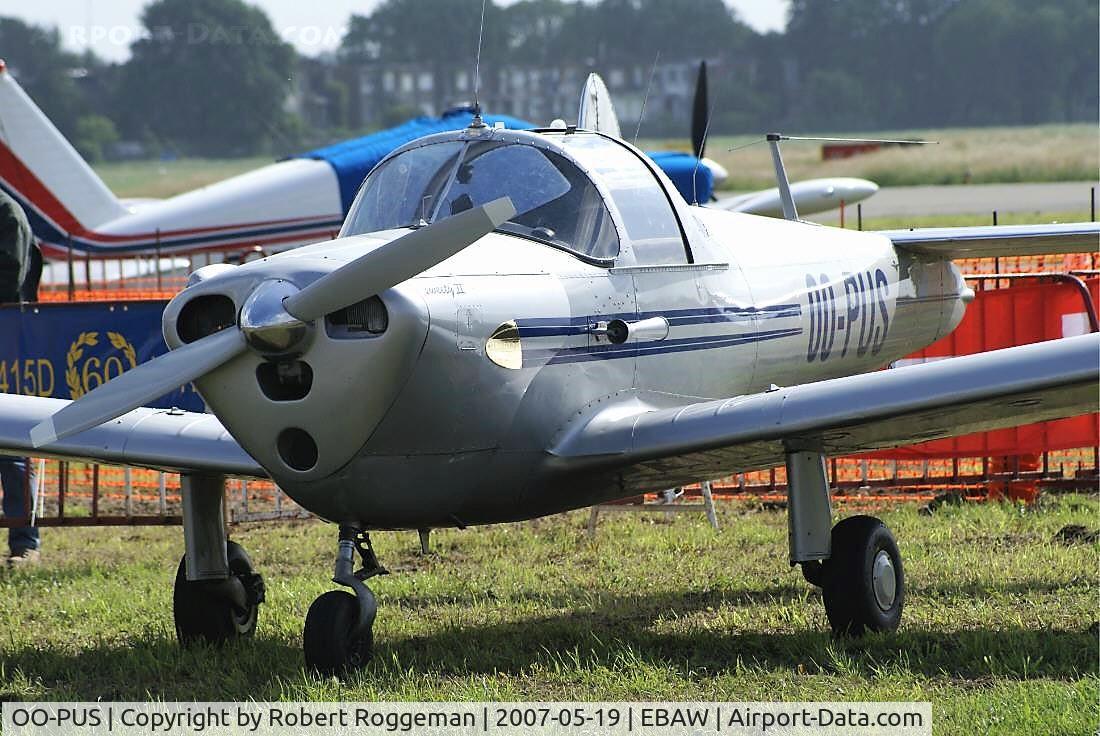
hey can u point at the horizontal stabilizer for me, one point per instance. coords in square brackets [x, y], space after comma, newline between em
[987, 241]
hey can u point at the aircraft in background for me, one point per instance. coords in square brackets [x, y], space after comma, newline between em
[518, 323]
[697, 176]
[302, 199]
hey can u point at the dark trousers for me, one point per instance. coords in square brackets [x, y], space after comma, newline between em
[15, 479]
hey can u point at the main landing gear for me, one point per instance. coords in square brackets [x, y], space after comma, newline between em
[218, 611]
[856, 564]
[338, 635]
[217, 594]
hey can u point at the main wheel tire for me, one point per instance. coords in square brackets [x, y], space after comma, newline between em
[328, 641]
[202, 614]
[864, 583]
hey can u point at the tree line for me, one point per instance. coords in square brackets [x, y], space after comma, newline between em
[840, 65]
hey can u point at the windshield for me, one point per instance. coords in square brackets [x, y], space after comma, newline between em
[555, 202]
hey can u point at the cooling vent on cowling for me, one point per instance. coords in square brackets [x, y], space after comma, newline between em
[204, 315]
[285, 380]
[362, 319]
[297, 449]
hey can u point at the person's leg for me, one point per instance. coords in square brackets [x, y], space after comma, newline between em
[15, 482]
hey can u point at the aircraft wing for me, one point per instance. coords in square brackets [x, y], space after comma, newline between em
[998, 240]
[163, 439]
[642, 448]
[810, 197]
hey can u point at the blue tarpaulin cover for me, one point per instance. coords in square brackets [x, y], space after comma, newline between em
[680, 168]
[353, 159]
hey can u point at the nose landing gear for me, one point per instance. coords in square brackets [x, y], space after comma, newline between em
[338, 635]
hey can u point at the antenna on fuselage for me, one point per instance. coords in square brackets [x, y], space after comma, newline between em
[477, 122]
[648, 87]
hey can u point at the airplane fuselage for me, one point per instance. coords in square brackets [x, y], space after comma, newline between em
[426, 425]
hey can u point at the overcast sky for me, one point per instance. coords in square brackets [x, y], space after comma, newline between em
[109, 26]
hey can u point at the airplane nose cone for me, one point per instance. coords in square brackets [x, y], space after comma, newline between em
[306, 397]
[268, 328]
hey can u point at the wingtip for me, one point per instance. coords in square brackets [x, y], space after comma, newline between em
[43, 433]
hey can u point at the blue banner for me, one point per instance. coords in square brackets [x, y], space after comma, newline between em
[64, 350]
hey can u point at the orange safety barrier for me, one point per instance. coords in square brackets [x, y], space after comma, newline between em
[105, 295]
[1027, 312]
[1049, 263]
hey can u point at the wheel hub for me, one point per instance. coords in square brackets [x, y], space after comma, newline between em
[884, 580]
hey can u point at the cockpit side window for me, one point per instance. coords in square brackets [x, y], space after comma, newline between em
[555, 201]
[647, 214]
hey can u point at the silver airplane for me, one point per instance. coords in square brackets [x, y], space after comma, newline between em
[519, 323]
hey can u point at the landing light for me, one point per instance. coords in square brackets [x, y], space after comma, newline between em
[503, 347]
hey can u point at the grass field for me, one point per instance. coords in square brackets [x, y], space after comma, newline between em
[159, 179]
[961, 156]
[955, 219]
[999, 631]
[982, 155]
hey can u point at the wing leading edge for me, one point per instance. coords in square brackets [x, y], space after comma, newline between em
[998, 240]
[164, 439]
[648, 448]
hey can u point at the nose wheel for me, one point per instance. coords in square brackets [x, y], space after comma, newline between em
[863, 582]
[339, 630]
[333, 640]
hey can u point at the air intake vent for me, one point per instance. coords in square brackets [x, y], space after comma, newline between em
[297, 449]
[368, 317]
[286, 380]
[204, 315]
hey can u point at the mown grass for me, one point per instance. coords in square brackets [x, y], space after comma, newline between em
[160, 179]
[999, 632]
[900, 222]
[960, 156]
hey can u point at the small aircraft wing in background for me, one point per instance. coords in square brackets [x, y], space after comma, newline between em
[998, 240]
[841, 416]
[811, 196]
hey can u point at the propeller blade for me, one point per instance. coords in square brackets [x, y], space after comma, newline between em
[397, 261]
[700, 113]
[140, 385]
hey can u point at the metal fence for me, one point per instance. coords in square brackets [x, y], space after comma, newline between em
[63, 493]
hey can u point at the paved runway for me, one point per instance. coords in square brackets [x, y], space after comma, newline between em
[973, 199]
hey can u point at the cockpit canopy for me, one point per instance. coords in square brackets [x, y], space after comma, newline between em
[563, 197]
[555, 202]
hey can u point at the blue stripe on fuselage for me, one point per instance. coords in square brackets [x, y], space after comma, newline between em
[563, 326]
[630, 350]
